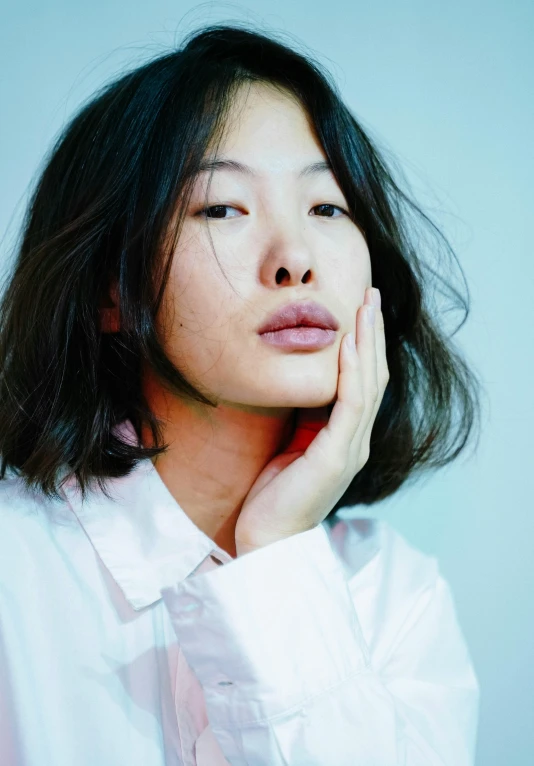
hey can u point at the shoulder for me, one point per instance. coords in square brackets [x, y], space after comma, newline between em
[26, 521]
[17, 502]
[375, 554]
[16, 499]
[401, 597]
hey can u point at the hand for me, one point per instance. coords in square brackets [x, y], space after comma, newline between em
[299, 487]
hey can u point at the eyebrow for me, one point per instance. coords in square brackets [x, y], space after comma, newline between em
[238, 167]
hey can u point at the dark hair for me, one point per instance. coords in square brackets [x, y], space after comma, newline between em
[117, 180]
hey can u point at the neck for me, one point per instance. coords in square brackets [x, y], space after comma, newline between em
[215, 455]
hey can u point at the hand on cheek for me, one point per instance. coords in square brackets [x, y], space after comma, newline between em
[300, 486]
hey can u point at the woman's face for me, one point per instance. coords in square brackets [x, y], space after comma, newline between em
[275, 246]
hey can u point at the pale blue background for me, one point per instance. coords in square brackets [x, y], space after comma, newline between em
[449, 88]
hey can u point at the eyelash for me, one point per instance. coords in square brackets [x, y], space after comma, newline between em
[211, 207]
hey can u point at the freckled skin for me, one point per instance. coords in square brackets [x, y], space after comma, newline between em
[274, 245]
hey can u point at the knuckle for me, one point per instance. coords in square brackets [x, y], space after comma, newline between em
[333, 461]
[358, 402]
[336, 465]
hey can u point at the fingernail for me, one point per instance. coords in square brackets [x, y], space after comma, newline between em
[375, 297]
[369, 314]
[349, 341]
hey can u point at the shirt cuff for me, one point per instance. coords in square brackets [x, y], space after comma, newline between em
[267, 630]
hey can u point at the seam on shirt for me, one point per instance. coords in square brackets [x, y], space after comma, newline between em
[303, 702]
[428, 593]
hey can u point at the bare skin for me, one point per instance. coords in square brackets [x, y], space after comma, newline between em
[275, 246]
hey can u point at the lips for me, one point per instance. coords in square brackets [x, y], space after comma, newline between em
[300, 314]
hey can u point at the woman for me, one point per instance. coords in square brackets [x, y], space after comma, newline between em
[216, 335]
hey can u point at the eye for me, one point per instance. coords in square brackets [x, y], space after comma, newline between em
[215, 211]
[327, 208]
[218, 211]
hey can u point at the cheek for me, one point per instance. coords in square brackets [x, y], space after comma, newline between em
[351, 275]
[196, 313]
[192, 291]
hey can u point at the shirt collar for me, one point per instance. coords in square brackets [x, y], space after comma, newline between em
[143, 536]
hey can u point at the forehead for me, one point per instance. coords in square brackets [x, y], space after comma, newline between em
[229, 165]
[264, 96]
[265, 126]
[266, 132]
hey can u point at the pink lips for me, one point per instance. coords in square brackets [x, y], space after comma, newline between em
[305, 326]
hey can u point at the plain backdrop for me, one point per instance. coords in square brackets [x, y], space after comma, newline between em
[448, 89]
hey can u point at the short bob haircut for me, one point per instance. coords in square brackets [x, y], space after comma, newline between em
[117, 180]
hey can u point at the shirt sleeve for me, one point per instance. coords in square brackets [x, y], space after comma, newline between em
[274, 639]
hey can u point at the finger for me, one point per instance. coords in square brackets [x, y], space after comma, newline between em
[381, 368]
[381, 357]
[336, 437]
[340, 439]
[367, 352]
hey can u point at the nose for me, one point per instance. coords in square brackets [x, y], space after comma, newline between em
[288, 261]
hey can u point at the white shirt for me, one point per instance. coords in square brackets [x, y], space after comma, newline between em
[128, 637]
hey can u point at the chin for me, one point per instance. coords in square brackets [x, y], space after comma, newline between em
[308, 387]
[292, 396]
[291, 385]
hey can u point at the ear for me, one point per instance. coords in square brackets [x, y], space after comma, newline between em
[110, 310]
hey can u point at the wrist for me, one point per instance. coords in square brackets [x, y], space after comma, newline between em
[254, 544]
[243, 548]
